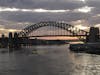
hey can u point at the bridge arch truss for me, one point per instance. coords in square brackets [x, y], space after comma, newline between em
[70, 28]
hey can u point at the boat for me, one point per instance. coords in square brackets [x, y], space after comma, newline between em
[93, 48]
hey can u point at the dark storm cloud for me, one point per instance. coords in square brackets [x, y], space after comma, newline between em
[46, 4]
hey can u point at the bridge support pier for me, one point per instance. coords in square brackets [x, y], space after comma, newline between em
[3, 42]
[13, 42]
[93, 35]
[10, 42]
[16, 41]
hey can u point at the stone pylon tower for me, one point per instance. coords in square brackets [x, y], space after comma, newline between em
[93, 35]
[3, 41]
[10, 40]
[16, 41]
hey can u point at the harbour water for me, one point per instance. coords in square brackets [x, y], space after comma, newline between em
[48, 60]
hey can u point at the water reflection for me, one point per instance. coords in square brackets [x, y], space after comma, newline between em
[48, 60]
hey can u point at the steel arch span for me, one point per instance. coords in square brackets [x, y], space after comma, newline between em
[70, 28]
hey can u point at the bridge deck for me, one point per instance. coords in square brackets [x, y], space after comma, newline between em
[57, 35]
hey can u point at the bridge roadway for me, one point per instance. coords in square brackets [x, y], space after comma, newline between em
[57, 35]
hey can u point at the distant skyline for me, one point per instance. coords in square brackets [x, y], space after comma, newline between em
[16, 14]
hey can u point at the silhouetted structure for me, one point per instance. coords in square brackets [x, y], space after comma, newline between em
[10, 41]
[93, 35]
[4, 41]
[74, 31]
[16, 41]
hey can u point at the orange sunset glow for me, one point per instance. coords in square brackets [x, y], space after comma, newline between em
[58, 38]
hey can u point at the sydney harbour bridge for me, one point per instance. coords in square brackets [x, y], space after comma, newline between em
[73, 31]
[23, 37]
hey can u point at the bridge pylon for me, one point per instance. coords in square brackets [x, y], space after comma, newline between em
[10, 41]
[93, 35]
[3, 42]
[13, 41]
[16, 41]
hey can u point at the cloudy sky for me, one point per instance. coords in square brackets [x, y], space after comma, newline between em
[16, 14]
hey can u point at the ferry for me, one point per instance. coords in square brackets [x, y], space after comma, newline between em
[86, 47]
